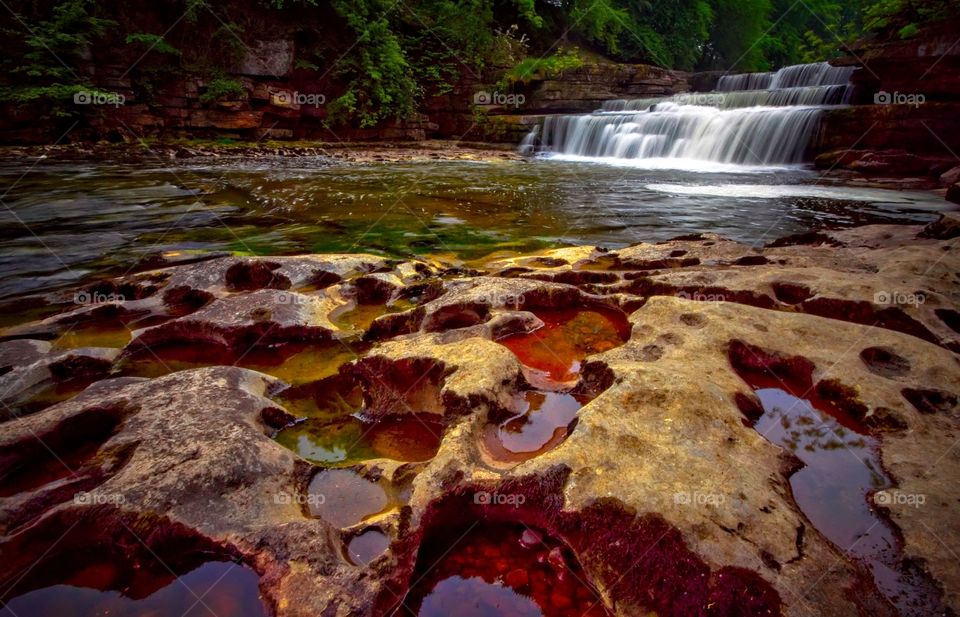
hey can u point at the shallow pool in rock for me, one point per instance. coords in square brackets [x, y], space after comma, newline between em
[343, 498]
[567, 337]
[842, 470]
[541, 421]
[494, 570]
[101, 589]
[405, 437]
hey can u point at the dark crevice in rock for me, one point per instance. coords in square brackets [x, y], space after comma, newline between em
[321, 279]
[397, 324]
[374, 290]
[455, 316]
[791, 293]
[186, 300]
[930, 401]
[400, 386]
[702, 293]
[749, 406]
[752, 360]
[575, 277]
[810, 238]
[885, 362]
[254, 275]
[751, 260]
[864, 313]
[949, 317]
[57, 453]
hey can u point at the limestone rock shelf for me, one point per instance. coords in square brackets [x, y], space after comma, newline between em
[659, 493]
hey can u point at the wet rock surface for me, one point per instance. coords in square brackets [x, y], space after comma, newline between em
[592, 424]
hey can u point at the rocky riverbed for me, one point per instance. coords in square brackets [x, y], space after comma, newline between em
[339, 425]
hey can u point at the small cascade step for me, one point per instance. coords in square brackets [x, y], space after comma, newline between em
[756, 119]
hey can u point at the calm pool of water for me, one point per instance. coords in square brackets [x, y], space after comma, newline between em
[67, 222]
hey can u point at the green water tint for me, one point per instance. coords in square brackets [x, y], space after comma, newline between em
[351, 440]
[356, 318]
[292, 363]
[458, 209]
[333, 432]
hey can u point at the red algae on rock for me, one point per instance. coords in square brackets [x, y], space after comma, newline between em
[490, 573]
[567, 337]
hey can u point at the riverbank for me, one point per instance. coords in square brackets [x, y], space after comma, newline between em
[152, 150]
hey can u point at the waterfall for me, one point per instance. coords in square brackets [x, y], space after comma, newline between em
[528, 145]
[751, 119]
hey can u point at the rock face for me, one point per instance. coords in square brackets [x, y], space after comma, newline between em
[476, 110]
[282, 103]
[906, 100]
[662, 488]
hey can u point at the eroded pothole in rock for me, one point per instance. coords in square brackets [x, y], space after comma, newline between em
[343, 498]
[127, 570]
[567, 337]
[842, 473]
[539, 422]
[56, 455]
[366, 546]
[500, 569]
[333, 430]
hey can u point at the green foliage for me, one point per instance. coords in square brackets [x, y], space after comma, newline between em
[45, 59]
[599, 21]
[152, 43]
[223, 89]
[382, 57]
[542, 68]
[908, 31]
[735, 38]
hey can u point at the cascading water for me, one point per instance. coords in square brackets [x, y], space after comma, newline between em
[752, 119]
